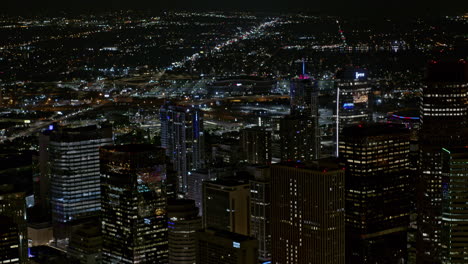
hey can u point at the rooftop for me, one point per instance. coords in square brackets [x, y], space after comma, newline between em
[447, 71]
[373, 129]
[459, 152]
[323, 165]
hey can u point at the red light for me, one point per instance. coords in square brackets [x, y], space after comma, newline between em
[359, 125]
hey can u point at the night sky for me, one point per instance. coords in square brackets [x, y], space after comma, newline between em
[338, 7]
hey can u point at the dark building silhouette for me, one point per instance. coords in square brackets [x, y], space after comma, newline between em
[41, 174]
[226, 206]
[303, 97]
[220, 246]
[376, 157]
[85, 244]
[256, 145]
[307, 212]
[299, 139]
[134, 225]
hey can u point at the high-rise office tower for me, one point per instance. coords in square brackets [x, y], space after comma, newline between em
[444, 123]
[299, 139]
[377, 192]
[454, 206]
[300, 132]
[13, 226]
[221, 246]
[260, 210]
[41, 175]
[256, 145]
[182, 136]
[74, 174]
[183, 224]
[307, 212]
[353, 100]
[134, 225]
[303, 97]
[226, 206]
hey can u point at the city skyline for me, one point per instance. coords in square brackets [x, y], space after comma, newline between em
[335, 7]
[333, 134]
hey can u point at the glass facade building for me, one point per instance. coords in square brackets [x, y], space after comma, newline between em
[353, 100]
[74, 173]
[182, 136]
[454, 206]
[444, 124]
[134, 224]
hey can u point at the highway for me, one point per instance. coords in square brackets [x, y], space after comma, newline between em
[43, 124]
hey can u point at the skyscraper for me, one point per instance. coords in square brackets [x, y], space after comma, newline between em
[256, 145]
[41, 175]
[13, 226]
[303, 97]
[74, 174]
[444, 124]
[377, 192]
[454, 207]
[221, 246]
[182, 136]
[307, 213]
[226, 206]
[353, 94]
[134, 225]
[183, 224]
[299, 140]
[260, 209]
[299, 131]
